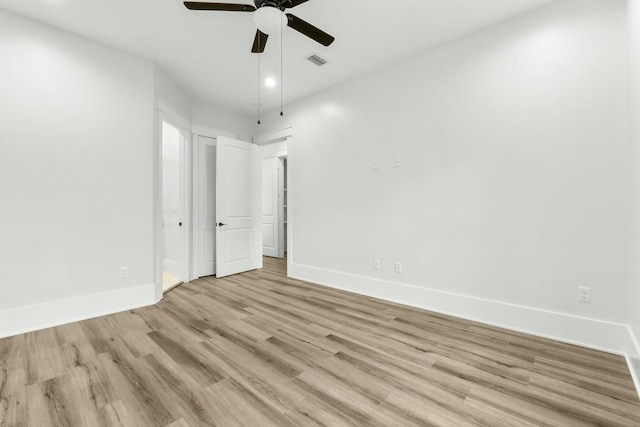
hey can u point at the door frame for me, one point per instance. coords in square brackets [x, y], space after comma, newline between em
[285, 134]
[166, 113]
[197, 132]
[275, 192]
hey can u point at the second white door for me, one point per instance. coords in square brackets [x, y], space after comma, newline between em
[238, 207]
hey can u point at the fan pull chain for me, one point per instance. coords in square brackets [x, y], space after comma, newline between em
[259, 84]
[281, 67]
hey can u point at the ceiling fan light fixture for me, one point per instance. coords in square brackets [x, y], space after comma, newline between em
[269, 20]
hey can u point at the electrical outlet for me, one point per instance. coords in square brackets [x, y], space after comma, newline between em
[398, 267]
[376, 264]
[124, 272]
[397, 162]
[584, 294]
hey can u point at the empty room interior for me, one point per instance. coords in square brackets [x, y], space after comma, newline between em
[320, 213]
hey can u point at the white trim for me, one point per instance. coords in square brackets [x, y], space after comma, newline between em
[174, 116]
[157, 202]
[290, 205]
[187, 209]
[271, 137]
[634, 368]
[31, 318]
[211, 132]
[596, 334]
[195, 220]
[633, 359]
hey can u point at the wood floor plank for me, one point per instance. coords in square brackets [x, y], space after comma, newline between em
[424, 410]
[610, 404]
[185, 391]
[236, 405]
[115, 414]
[262, 349]
[87, 376]
[129, 379]
[274, 387]
[13, 397]
[200, 369]
[345, 403]
[44, 356]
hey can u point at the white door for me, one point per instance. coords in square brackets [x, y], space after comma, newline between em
[270, 207]
[238, 194]
[206, 235]
[173, 200]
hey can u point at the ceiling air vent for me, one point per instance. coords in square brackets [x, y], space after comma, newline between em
[317, 60]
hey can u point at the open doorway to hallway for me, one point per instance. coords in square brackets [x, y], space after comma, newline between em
[173, 203]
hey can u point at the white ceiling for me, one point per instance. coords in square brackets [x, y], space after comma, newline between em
[208, 53]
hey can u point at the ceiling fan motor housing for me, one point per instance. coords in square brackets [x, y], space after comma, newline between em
[278, 4]
[270, 18]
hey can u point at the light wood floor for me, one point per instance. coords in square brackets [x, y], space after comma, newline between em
[259, 349]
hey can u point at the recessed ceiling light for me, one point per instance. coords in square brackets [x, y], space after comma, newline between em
[270, 82]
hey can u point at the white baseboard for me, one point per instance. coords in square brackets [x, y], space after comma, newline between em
[596, 334]
[633, 359]
[20, 320]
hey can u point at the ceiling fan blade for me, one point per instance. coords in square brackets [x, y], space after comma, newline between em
[231, 7]
[260, 42]
[295, 3]
[309, 30]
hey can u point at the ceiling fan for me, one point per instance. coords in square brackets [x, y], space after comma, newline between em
[268, 15]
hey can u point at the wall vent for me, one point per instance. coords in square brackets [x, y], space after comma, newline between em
[317, 60]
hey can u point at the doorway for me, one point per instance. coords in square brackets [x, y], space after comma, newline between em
[173, 256]
[226, 204]
[206, 202]
[275, 196]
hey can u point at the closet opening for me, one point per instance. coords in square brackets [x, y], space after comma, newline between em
[275, 205]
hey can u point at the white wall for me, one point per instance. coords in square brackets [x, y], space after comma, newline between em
[212, 117]
[79, 149]
[76, 139]
[172, 93]
[513, 190]
[634, 73]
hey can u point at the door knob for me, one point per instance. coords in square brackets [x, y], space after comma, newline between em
[221, 224]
